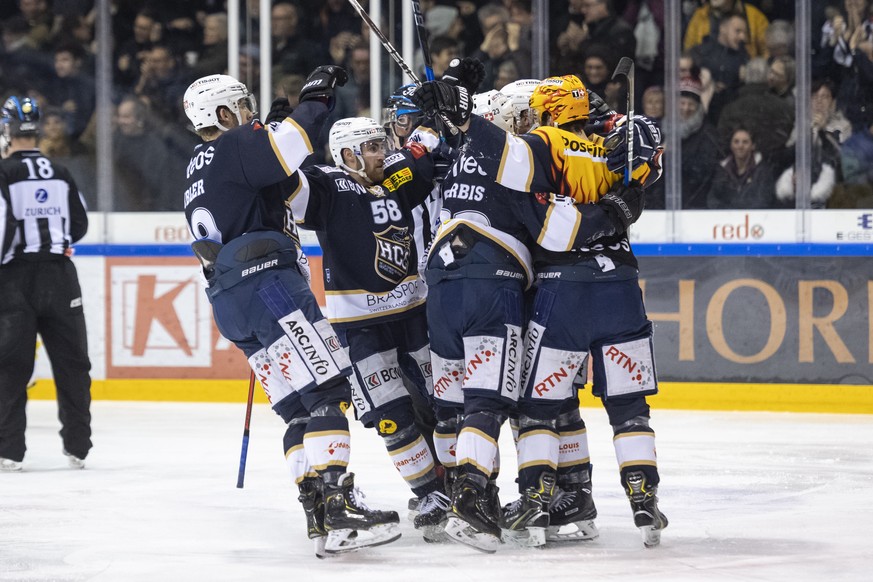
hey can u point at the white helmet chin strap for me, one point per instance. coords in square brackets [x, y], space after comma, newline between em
[360, 172]
[218, 123]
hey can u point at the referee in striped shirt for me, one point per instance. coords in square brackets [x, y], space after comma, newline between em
[41, 214]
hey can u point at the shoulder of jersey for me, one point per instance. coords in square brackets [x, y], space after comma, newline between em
[330, 169]
[393, 159]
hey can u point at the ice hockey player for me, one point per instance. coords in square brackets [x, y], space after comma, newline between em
[362, 210]
[260, 292]
[478, 271]
[598, 284]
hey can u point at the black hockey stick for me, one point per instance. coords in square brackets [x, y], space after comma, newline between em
[396, 56]
[625, 69]
[422, 33]
[240, 478]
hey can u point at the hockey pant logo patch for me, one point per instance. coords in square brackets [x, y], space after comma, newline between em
[448, 379]
[268, 373]
[378, 381]
[553, 373]
[629, 368]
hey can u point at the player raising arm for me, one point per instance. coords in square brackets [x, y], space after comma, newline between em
[260, 293]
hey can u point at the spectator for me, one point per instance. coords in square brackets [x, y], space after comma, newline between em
[442, 50]
[598, 78]
[855, 95]
[292, 52]
[779, 39]
[700, 149]
[41, 23]
[780, 79]
[756, 106]
[133, 52]
[22, 63]
[73, 90]
[496, 48]
[336, 17]
[141, 162]
[161, 84]
[653, 104]
[353, 99]
[724, 57]
[743, 179]
[507, 72]
[690, 68]
[55, 142]
[830, 129]
[856, 160]
[646, 17]
[706, 19]
[341, 44]
[212, 57]
[600, 27]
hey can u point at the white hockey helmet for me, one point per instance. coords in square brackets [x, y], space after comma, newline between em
[516, 107]
[351, 133]
[488, 106]
[205, 95]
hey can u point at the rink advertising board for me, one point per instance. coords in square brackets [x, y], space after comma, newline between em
[737, 326]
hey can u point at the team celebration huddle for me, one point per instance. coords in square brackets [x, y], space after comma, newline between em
[476, 267]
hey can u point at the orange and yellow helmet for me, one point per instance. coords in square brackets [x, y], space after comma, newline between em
[565, 99]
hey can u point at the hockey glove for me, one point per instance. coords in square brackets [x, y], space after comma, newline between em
[435, 97]
[467, 72]
[444, 157]
[321, 83]
[624, 204]
[279, 110]
[647, 141]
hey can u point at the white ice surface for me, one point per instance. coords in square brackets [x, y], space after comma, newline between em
[750, 496]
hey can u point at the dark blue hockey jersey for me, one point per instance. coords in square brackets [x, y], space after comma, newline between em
[510, 220]
[368, 236]
[232, 181]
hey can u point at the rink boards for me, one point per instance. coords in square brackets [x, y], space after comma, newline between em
[764, 326]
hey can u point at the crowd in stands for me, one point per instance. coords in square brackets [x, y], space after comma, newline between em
[737, 81]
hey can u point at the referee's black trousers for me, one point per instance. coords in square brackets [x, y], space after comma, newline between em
[43, 296]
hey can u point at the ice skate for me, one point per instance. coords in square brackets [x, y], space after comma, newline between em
[525, 520]
[572, 514]
[350, 524]
[412, 505]
[644, 503]
[431, 518]
[9, 466]
[473, 517]
[73, 461]
[312, 499]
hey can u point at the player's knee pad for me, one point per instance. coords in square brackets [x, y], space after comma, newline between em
[625, 410]
[376, 385]
[448, 381]
[395, 422]
[291, 408]
[625, 369]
